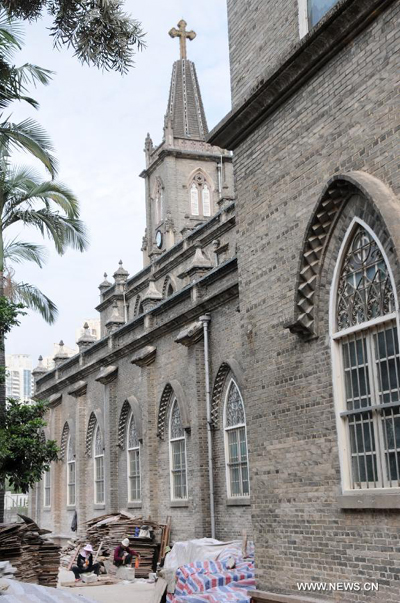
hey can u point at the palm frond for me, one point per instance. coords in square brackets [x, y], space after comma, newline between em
[34, 299]
[29, 136]
[19, 251]
[63, 231]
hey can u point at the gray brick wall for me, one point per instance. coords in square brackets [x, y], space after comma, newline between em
[346, 118]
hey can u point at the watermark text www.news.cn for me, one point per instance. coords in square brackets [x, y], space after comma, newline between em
[338, 586]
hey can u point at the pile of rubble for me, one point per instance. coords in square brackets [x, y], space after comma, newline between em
[105, 533]
[36, 559]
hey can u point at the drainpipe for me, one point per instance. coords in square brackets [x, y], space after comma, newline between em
[219, 167]
[206, 320]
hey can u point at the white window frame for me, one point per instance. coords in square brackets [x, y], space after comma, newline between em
[135, 450]
[304, 26]
[71, 469]
[337, 362]
[226, 444]
[194, 200]
[98, 459]
[47, 488]
[171, 443]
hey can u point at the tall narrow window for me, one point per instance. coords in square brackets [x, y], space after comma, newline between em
[71, 473]
[98, 467]
[133, 462]
[47, 488]
[206, 201]
[194, 199]
[200, 196]
[366, 355]
[177, 454]
[236, 443]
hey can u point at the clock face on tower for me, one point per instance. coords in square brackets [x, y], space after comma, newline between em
[159, 239]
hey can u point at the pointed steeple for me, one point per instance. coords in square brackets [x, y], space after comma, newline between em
[185, 112]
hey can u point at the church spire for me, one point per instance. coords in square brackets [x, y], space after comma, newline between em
[185, 112]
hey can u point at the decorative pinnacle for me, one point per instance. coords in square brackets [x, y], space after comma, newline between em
[183, 35]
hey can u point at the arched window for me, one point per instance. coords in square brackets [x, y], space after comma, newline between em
[177, 441]
[98, 453]
[237, 465]
[158, 202]
[366, 363]
[71, 473]
[133, 448]
[200, 196]
[47, 488]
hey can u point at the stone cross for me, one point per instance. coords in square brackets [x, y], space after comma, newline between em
[182, 34]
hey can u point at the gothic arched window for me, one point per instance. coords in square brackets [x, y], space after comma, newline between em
[47, 488]
[71, 473]
[366, 363]
[98, 454]
[177, 442]
[133, 448]
[158, 203]
[237, 465]
[200, 196]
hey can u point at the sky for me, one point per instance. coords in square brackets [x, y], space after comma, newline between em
[98, 123]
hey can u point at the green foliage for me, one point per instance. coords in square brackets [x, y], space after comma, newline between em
[99, 31]
[24, 452]
[9, 312]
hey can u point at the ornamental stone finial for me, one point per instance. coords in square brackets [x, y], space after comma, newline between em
[183, 35]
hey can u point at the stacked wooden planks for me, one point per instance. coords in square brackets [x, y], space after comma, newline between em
[35, 558]
[110, 530]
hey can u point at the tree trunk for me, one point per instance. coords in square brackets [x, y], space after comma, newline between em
[2, 375]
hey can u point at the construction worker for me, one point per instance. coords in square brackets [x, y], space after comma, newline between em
[84, 563]
[123, 555]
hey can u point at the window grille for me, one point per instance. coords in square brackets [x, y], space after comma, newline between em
[178, 454]
[367, 336]
[133, 462]
[236, 444]
[98, 467]
[71, 473]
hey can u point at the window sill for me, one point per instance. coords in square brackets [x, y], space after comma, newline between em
[47, 509]
[98, 507]
[71, 507]
[135, 505]
[238, 502]
[179, 503]
[369, 500]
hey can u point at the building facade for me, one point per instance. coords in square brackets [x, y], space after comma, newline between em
[315, 129]
[139, 413]
[19, 379]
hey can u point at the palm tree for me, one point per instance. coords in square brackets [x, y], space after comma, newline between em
[27, 135]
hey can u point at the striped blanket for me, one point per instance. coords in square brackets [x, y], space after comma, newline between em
[213, 582]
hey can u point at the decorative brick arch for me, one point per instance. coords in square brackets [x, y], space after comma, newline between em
[167, 282]
[334, 198]
[173, 389]
[230, 366]
[64, 440]
[89, 434]
[130, 406]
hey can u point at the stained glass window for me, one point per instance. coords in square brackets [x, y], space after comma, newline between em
[365, 290]
[370, 364]
[178, 454]
[236, 443]
[98, 467]
[71, 472]
[133, 462]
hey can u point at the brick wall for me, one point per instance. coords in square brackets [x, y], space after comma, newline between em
[346, 118]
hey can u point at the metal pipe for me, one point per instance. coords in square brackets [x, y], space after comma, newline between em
[206, 320]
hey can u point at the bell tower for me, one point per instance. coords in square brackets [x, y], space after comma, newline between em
[186, 178]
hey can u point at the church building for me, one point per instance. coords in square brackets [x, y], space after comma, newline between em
[143, 414]
[249, 376]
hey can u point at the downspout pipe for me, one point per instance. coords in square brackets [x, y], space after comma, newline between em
[206, 322]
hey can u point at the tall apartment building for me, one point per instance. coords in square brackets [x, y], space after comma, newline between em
[19, 380]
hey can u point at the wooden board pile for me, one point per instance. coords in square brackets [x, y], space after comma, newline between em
[35, 558]
[110, 530]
